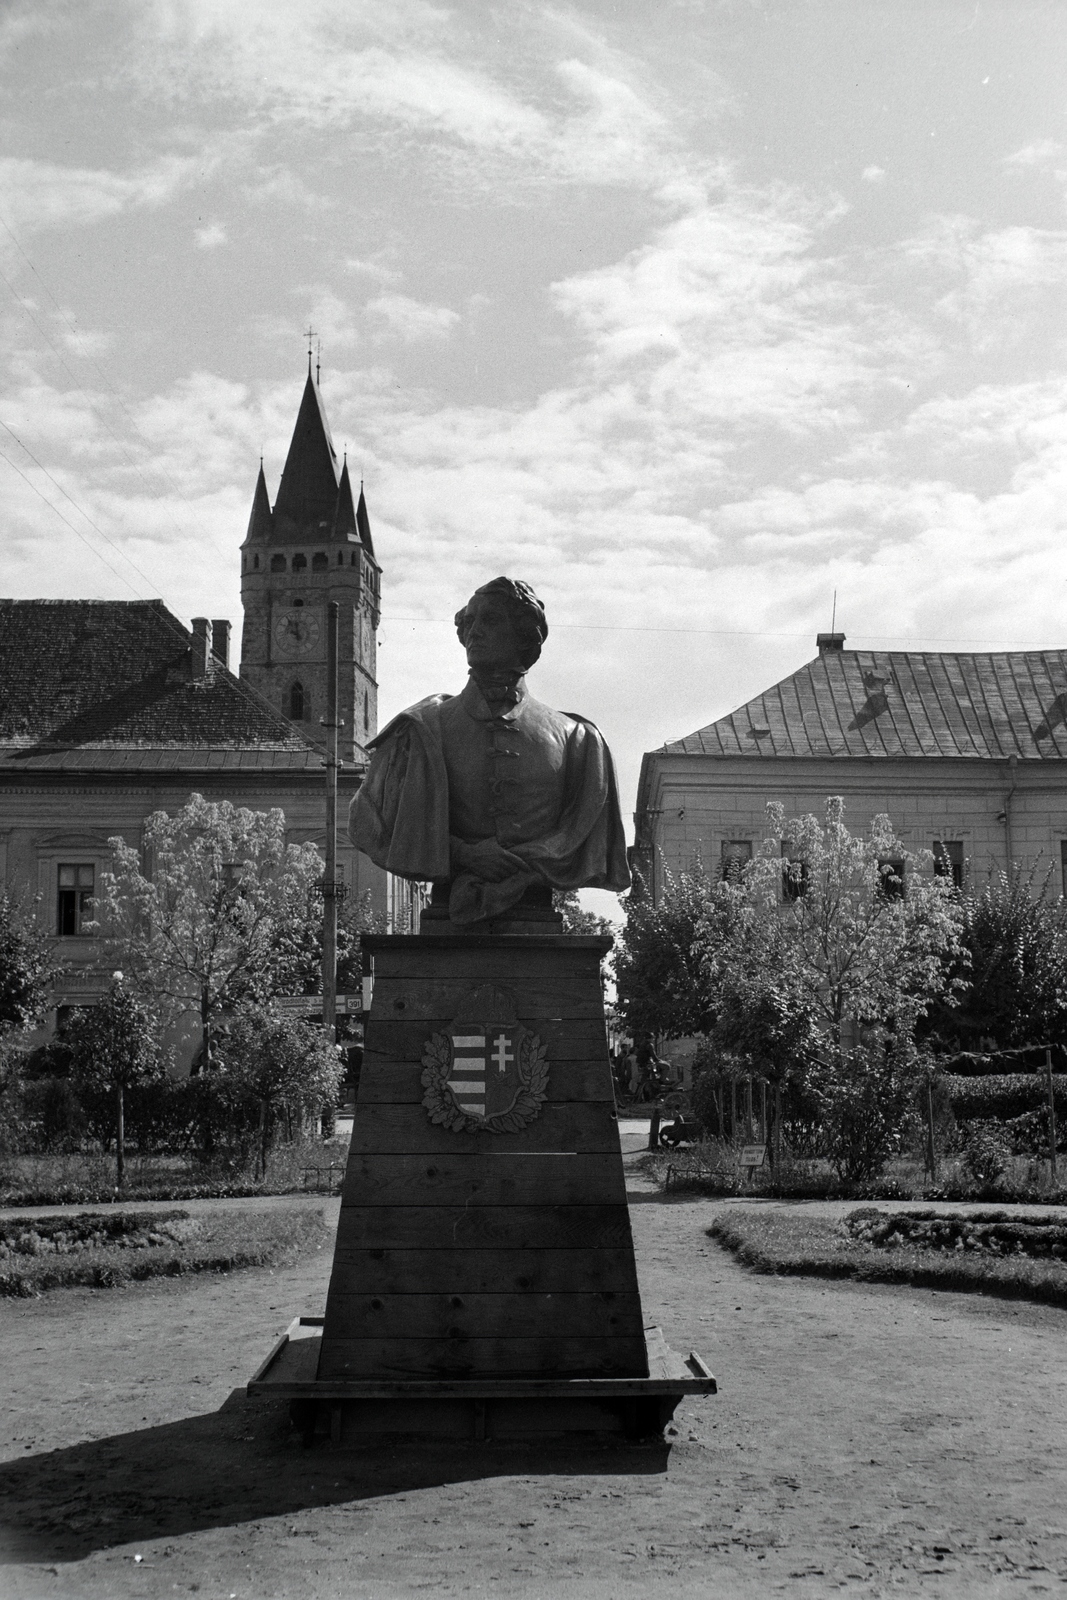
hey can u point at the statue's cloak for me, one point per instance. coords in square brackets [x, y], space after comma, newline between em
[400, 817]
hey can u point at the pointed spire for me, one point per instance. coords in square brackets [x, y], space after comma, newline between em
[344, 522]
[363, 522]
[307, 496]
[261, 521]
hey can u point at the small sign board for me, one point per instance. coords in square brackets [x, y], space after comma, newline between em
[753, 1155]
[310, 1005]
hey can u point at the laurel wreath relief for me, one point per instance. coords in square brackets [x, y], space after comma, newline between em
[533, 1088]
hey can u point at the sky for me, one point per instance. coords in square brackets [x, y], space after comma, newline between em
[692, 314]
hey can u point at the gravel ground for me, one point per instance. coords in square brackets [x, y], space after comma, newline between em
[888, 1440]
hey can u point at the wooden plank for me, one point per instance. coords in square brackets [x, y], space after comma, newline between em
[544, 999]
[458, 1358]
[591, 1129]
[489, 964]
[385, 1082]
[484, 1271]
[484, 1227]
[483, 1316]
[502, 1179]
[395, 1038]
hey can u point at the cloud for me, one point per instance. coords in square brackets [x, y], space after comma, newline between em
[873, 174]
[412, 319]
[211, 237]
[35, 195]
[1042, 153]
[414, 70]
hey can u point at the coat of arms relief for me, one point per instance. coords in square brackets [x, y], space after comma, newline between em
[485, 1073]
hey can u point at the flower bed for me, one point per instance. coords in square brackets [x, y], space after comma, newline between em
[102, 1251]
[808, 1245]
[993, 1232]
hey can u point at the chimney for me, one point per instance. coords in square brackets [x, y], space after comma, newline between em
[202, 666]
[220, 639]
[829, 643]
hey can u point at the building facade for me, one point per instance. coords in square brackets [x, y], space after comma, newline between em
[113, 710]
[967, 754]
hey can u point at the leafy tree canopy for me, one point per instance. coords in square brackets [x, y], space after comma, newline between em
[205, 922]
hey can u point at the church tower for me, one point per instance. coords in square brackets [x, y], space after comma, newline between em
[314, 547]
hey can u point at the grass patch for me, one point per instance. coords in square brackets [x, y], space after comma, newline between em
[104, 1251]
[819, 1247]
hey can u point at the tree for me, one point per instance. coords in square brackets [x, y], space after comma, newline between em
[27, 969]
[660, 978]
[575, 919]
[113, 1047]
[298, 945]
[840, 944]
[204, 928]
[1012, 970]
[281, 1063]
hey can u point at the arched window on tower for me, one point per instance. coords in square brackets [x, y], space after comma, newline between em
[340, 558]
[320, 561]
[277, 563]
[366, 712]
[298, 703]
[299, 563]
[352, 562]
[255, 562]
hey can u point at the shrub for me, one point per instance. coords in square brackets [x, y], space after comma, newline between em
[986, 1153]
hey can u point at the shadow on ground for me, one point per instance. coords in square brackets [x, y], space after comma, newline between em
[243, 1463]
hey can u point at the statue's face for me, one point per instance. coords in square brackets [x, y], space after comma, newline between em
[492, 640]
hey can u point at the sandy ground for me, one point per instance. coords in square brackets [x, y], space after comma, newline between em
[886, 1440]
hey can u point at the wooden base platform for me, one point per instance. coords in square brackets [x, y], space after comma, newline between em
[482, 1408]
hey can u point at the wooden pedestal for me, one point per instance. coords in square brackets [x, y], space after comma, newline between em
[479, 1268]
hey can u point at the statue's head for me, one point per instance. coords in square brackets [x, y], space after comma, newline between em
[502, 626]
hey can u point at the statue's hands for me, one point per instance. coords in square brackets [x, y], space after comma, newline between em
[487, 861]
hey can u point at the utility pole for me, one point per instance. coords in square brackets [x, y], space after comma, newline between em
[329, 885]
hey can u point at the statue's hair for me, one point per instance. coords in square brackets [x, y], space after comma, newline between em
[527, 614]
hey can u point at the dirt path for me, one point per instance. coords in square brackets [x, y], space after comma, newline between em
[887, 1440]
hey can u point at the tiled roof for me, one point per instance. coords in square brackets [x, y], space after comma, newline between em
[902, 703]
[115, 674]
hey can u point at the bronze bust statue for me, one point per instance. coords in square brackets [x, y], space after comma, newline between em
[489, 791]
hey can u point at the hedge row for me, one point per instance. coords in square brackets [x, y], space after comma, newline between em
[1002, 1096]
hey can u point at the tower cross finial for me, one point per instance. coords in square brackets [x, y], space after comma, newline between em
[318, 361]
[309, 336]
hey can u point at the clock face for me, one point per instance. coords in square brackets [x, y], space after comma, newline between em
[296, 632]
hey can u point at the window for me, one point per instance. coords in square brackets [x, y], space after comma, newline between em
[340, 558]
[255, 562]
[794, 877]
[352, 560]
[277, 563]
[736, 854]
[892, 872]
[366, 712]
[948, 860]
[319, 561]
[74, 903]
[298, 705]
[299, 563]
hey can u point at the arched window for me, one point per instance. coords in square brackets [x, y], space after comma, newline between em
[255, 562]
[277, 563]
[352, 561]
[340, 558]
[298, 706]
[319, 561]
[366, 712]
[299, 563]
